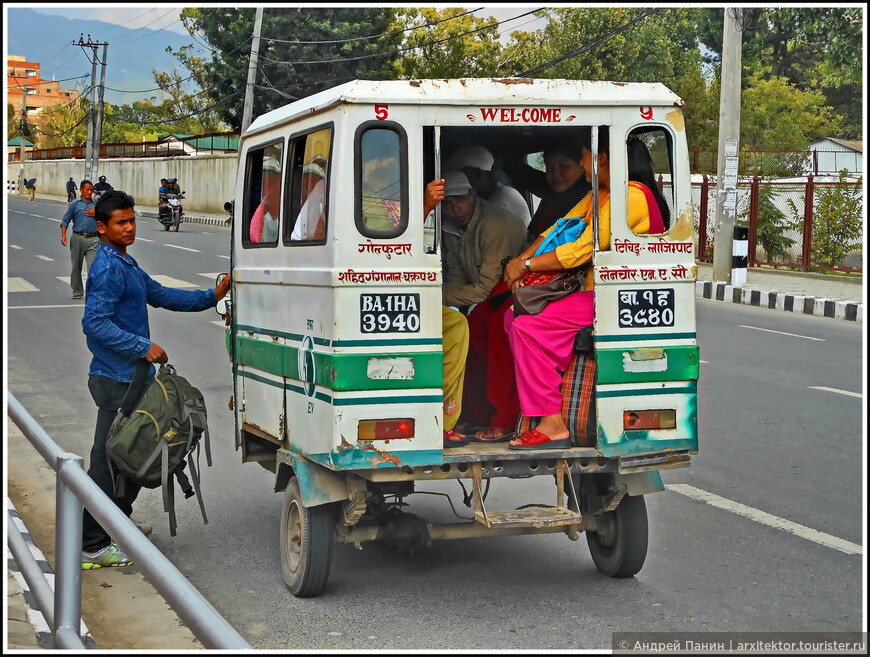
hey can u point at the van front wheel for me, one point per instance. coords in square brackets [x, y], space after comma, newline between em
[306, 543]
[619, 547]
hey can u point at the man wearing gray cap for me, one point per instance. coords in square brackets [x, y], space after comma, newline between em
[476, 163]
[477, 235]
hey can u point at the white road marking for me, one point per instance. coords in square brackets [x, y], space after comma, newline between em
[142, 239]
[219, 322]
[65, 279]
[46, 258]
[794, 335]
[168, 281]
[64, 305]
[212, 275]
[18, 284]
[15, 246]
[767, 519]
[223, 256]
[838, 391]
[183, 248]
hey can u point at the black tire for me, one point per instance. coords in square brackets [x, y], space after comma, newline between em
[619, 550]
[177, 226]
[166, 227]
[306, 543]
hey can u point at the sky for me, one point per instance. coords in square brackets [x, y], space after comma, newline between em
[133, 15]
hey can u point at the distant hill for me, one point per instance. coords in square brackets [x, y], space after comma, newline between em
[131, 55]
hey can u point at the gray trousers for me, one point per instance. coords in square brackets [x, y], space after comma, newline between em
[81, 248]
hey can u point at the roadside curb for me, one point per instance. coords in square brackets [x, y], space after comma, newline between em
[21, 599]
[796, 303]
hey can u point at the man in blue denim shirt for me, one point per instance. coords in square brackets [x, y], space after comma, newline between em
[85, 238]
[115, 322]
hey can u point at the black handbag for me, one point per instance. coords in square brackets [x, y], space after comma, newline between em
[532, 298]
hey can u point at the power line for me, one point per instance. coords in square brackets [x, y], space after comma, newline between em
[401, 50]
[589, 46]
[375, 36]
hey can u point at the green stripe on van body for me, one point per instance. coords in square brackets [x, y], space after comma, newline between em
[680, 362]
[691, 388]
[627, 337]
[338, 372]
[345, 401]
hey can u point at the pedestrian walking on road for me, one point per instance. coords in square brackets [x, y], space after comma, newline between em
[115, 323]
[83, 245]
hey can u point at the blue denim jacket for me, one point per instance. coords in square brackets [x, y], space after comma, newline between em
[115, 322]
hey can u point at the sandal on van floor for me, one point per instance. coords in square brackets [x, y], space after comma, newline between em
[534, 439]
[492, 435]
[454, 439]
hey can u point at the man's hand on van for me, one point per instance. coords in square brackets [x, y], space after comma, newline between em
[223, 286]
[433, 196]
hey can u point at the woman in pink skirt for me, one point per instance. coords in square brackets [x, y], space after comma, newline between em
[542, 344]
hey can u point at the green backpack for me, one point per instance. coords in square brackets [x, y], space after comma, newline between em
[154, 435]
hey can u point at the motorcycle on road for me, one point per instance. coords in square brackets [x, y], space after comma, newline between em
[171, 213]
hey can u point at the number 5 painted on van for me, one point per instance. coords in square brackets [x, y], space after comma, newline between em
[381, 112]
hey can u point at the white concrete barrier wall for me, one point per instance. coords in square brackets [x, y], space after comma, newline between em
[209, 180]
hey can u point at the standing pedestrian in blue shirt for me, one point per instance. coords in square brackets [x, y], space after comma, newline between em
[83, 244]
[115, 323]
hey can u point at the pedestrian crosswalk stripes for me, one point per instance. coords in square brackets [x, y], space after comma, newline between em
[21, 284]
[18, 284]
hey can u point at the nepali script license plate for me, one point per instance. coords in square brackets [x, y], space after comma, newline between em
[644, 308]
[389, 313]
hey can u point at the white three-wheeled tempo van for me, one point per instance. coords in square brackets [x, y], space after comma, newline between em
[335, 319]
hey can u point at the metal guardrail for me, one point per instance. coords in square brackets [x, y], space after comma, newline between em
[62, 607]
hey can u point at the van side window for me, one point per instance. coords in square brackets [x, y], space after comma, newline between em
[650, 173]
[308, 189]
[382, 186]
[262, 209]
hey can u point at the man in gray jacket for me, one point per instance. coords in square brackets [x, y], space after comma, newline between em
[477, 235]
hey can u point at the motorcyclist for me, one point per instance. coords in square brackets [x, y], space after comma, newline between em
[174, 187]
[102, 186]
[162, 205]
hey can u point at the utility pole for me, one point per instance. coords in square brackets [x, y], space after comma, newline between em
[92, 148]
[729, 145]
[22, 150]
[98, 126]
[252, 70]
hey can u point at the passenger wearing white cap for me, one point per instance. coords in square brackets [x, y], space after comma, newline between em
[476, 163]
[311, 222]
[476, 235]
[264, 223]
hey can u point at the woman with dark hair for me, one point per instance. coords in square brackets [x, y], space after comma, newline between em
[542, 344]
[559, 187]
[640, 174]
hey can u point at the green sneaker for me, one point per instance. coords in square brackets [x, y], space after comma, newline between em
[110, 556]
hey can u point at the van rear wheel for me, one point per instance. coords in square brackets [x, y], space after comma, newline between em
[306, 543]
[619, 547]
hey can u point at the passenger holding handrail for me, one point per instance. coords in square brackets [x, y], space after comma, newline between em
[542, 344]
[454, 329]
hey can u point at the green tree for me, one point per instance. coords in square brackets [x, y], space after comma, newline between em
[838, 222]
[450, 43]
[661, 47]
[772, 226]
[777, 116]
[63, 125]
[303, 50]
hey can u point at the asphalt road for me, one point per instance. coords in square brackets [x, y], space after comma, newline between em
[764, 532]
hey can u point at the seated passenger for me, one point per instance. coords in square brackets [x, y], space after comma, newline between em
[264, 223]
[542, 344]
[477, 236]
[560, 187]
[476, 163]
[311, 222]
